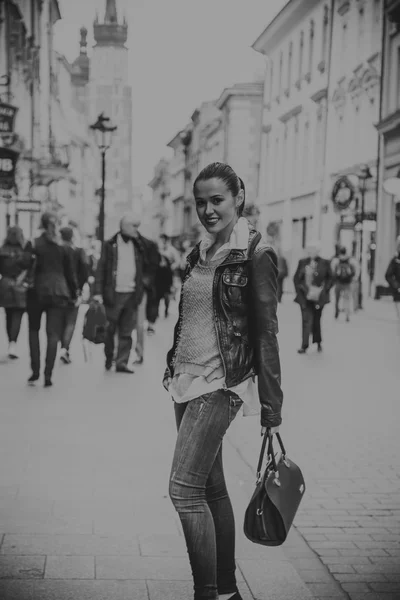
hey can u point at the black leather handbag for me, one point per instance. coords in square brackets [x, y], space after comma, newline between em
[277, 497]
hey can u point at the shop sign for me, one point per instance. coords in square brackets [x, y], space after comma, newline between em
[343, 193]
[28, 205]
[7, 118]
[8, 162]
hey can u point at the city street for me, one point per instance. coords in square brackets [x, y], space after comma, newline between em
[84, 467]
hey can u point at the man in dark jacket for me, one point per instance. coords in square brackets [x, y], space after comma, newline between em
[119, 285]
[392, 275]
[54, 287]
[81, 269]
[313, 281]
[148, 308]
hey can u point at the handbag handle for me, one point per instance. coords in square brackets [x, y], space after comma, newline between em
[268, 437]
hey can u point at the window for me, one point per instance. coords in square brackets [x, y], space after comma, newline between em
[361, 32]
[306, 152]
[311, 50]
[398, 77]
[325, 35]
[271, 80]
[301, 53]
[289, 71]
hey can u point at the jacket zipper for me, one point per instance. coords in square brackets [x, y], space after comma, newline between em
[225, 387]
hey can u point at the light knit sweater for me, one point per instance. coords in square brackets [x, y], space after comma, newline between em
[198, 353]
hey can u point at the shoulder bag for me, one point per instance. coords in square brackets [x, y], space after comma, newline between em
[277, 497]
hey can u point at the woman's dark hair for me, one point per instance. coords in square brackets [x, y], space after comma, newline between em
[14, 237]
[224, 172]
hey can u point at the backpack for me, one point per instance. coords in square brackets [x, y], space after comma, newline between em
[95, 324]
[344, 272]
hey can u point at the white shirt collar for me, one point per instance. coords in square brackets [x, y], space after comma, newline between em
[239, 240]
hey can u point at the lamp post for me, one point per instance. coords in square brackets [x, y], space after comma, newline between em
[103, 133]
[363, 175]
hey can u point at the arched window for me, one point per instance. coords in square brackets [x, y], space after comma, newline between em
[290, 65]
[311, 50]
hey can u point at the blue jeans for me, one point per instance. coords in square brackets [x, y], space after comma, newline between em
[198, 491]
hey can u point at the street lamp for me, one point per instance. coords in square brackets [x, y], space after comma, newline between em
[363, 175]
[103, 135]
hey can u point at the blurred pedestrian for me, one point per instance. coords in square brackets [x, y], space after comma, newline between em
[148, 309]
[14, 263]
[392, 275]
[164, 282]
[283, 272]
[312, 281]
[225, 335]
[54, 287]
[119, 285]
[168, 250]
[343, 271]
[81, 269]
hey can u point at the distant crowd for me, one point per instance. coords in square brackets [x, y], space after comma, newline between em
[53, 275]
[131, 278]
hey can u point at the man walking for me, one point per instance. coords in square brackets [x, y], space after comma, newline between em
[119, 285]
[81, 269]
[148, 309]
[343, 271]
[392, 274]
[312, 281]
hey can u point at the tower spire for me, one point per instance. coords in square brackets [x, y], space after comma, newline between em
[111, 12]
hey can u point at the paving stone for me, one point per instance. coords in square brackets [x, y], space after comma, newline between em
[131, 567]
[325, 590]
[162, 545]
[315, 575]
[356, 587]
[28, 567]
[69, 567]
[73, 590]
[69, 544]
[386, 587]
[359, 577]
[284, 583]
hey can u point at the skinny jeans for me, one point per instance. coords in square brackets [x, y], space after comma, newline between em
[199, 494]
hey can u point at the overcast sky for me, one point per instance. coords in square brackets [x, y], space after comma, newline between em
[181, 53]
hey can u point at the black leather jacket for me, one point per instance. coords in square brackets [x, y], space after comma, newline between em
[245, 304]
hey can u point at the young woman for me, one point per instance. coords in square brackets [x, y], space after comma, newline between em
[14, 262]
[224, 337]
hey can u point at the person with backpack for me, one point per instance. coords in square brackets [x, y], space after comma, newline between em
[224, 356]
[343, 273]
[81, 268]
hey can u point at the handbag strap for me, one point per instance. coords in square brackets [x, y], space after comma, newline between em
[268, 436]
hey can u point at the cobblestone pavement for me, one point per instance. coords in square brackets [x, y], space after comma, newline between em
[341, 425]
[84, 466]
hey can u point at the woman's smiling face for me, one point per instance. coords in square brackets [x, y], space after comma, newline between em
[216, 207]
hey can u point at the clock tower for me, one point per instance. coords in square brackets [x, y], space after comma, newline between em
[111, 94]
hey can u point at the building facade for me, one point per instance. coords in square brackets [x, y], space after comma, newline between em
[227, 130]
[109, 93]
[321, 104]
[388, 222]
[26, 71]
